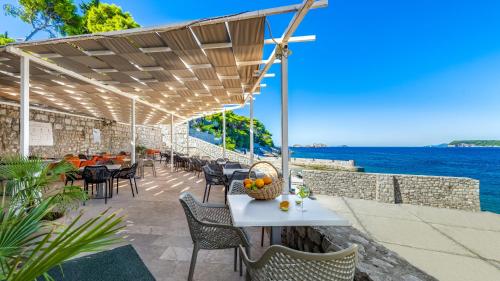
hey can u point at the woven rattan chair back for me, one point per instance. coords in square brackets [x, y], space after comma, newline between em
[282, 263]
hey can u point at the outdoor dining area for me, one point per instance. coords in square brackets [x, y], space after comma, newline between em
[189, 215]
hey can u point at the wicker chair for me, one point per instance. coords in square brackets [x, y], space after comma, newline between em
[282, 263]
[127, 173]
[146, 163]
[211, 178]
[211, 229]
[99, 175]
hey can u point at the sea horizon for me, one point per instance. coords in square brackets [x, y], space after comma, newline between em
[481, 163]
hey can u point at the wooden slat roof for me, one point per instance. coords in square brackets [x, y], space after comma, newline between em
[179, 75]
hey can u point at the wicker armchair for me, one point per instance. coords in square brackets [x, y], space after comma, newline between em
[127, 174]
[211, 229]
[282, 263]
[211, 178]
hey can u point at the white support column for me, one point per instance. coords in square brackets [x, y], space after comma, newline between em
[171, 143]
[24, 138]
[132, 133]
[251, 129]
[187, 138]
[284, 120]
[224, 133]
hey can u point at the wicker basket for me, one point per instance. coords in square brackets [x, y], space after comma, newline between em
[269, 191]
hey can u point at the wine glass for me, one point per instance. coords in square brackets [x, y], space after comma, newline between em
[303, 193]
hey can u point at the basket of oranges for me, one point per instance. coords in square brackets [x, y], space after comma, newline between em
[268, 183]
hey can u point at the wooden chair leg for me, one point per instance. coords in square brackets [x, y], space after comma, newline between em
[117, 180]
[193, 262]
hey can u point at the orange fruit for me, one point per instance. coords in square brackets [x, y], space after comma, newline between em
[284, 205]
[247, 181]
[267, 180]
[259, 183]
[248, 185]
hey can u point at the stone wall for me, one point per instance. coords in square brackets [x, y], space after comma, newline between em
[442, 192]
[73, 134]
[375, 262]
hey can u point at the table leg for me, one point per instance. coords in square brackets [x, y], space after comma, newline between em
[276, 235]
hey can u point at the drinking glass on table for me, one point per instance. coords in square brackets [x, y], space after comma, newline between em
[303, 193]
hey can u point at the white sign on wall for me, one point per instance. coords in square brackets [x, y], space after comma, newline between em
[96, 136]
[41, 134]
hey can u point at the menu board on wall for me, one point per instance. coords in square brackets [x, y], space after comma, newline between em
[96, 136]
[41, 134]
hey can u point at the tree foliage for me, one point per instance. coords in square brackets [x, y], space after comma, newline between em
[62, 17]
[4, 39]
[237, 130]
[52, 16]
[107, 17]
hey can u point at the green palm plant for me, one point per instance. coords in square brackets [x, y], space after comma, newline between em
[27, 179]
[30, 245]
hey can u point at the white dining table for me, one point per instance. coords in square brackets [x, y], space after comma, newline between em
[247, 212]
[229, 172]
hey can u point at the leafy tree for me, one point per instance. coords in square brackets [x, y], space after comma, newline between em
[101, 17]
[4, 39]
[52, 16]
[237, 130]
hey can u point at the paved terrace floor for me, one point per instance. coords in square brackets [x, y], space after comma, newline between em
[448, 244]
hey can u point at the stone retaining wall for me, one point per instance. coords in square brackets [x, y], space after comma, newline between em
[73, 134]
[442, 192]
[375, 262]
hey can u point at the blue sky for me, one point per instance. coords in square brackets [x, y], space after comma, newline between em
[381, 73]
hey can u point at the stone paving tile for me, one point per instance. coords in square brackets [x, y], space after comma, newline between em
[485, 243]
[410, 233]
[156, 226]
[478, 220]
[447, 267]
[373, 208]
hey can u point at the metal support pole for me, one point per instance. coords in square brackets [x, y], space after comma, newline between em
[24, 138]
[171, 143]
[251, 130]
[224, 133]
[284, 120]
[187, 138]
[132, 133]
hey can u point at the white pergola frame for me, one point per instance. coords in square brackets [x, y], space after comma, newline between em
[282, 43]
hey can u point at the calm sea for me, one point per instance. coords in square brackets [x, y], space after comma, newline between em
[477, 163]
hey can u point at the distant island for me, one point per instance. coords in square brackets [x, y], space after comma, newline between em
[474, 143]
[314, 145]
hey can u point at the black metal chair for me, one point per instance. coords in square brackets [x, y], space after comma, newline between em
[99, 175]
[127, 173]
[166, 156]
[211, 178]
